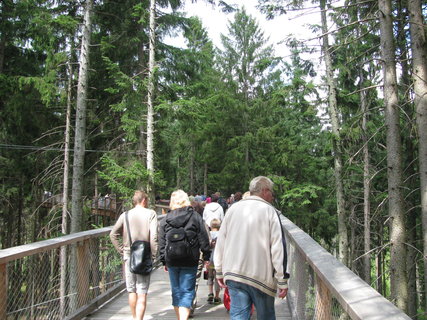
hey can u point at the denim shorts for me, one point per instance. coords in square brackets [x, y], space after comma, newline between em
[136, 282]
[183, 285]
[243, 295]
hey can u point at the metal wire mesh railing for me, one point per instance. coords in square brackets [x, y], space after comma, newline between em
[322, 288]
[55, 278]
[62, 277]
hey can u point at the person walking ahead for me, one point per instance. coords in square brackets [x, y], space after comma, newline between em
[181, 237]
[143, 226]
[213, 210]
[250, 253]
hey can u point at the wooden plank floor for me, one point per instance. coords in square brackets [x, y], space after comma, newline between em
[159, 304]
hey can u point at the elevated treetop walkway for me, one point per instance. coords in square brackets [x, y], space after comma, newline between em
[34, 285]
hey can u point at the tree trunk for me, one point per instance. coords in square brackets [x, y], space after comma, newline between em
[64, 224]
[419, 56]
[67, 152]
[142, 143]
[178, 173]
[337, 145]
[79, 150]
[2, 51]
[192, 152]
[150, 102]
[6, 10]
[80, 127]
[408, 159]
[366, 186]
[378, 261]
[20, 213]
[205, 180]
[398, 277]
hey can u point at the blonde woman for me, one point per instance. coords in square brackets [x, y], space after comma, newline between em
[182, 236]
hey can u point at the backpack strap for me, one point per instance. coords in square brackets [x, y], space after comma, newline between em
[127, 226]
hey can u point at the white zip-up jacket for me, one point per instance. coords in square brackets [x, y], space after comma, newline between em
[250, 247]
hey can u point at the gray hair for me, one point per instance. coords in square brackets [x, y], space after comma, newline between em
[260, 183]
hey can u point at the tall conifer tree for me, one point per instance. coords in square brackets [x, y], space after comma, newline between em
[398, 277]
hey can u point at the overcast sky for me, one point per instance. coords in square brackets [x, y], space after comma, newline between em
[276, 30]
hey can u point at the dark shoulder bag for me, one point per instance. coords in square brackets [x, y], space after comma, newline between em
[140, 254]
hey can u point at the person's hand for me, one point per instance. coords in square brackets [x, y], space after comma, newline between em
[207, 264]
[221, 283]
[283, 293]
[165, 268]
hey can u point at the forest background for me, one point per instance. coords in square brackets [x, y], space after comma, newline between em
[94, 102]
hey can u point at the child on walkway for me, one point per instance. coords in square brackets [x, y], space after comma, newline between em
[214, 225]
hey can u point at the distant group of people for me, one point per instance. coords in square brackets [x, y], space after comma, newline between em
[239, 239]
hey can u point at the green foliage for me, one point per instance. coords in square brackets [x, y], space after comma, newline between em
[123, 180]
[300, 196]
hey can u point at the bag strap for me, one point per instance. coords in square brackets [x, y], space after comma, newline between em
[127, 226]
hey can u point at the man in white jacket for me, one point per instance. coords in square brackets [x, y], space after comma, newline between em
[213, 210]
[250, 254]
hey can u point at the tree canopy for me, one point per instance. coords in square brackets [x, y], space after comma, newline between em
[340, 135]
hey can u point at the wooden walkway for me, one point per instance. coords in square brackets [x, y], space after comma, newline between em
[159, 304]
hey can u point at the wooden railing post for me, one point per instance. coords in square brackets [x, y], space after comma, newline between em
[83, 272]
[94, 260]
[323, 300]
[3, 290]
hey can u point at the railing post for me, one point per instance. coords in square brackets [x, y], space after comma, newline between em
[303, 278]
[83, 272]
[3, 290]
[94, 259]
[323, 300]
[63, 282]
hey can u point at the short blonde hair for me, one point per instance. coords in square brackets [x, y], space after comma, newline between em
[179, 199]
[215, 223]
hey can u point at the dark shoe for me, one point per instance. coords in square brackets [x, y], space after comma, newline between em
[217, 300]
[210, 297]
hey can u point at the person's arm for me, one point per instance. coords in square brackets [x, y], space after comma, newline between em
[278, 253]
[219, 250]
[116, 233]
[154, 243]
[162, 241]
[203, 238]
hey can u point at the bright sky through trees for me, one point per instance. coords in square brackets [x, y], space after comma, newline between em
[276, 29]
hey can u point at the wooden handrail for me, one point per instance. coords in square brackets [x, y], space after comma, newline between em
[82, 270]
[18, 252]
[355, 296]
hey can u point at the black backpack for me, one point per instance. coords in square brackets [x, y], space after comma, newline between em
[178, 244]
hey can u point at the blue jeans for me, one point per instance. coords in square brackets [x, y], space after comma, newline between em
[183, 285]
[243, 295]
